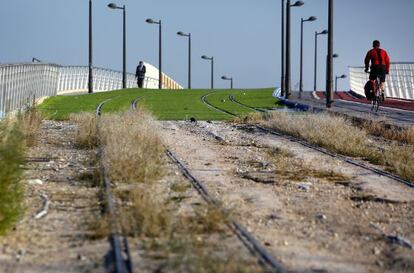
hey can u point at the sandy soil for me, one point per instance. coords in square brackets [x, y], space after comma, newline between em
[313, 225]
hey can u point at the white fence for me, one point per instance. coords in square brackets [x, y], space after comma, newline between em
[21, 84]
[399, 83]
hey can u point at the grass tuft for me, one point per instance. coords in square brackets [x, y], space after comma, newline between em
[11, 159]
[30, 121]
[132, 147]
[291, 168]
[86, 133]
[145, 216]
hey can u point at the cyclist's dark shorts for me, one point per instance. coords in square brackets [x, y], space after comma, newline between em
[378, 71]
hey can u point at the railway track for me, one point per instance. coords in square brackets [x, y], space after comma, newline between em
[311, 146]
[254, 247]
[118, 259]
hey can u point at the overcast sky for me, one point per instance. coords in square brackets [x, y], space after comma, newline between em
[242, 35]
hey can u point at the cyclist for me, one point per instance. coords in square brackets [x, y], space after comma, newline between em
[380, 65]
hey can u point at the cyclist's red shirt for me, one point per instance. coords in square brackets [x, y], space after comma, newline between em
[377, 56]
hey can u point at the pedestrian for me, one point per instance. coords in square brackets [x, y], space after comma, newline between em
[140, 74]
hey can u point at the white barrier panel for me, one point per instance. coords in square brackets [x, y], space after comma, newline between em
[22, 84]
[399, 83]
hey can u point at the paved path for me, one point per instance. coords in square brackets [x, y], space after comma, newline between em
[392, 116]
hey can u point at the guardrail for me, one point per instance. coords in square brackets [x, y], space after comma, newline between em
[399, 83]
[23, 84]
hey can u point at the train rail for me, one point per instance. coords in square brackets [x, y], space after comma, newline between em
[118, 259]
[313, 147]
[254, 247]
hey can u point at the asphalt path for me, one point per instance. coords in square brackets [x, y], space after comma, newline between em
[392, 116]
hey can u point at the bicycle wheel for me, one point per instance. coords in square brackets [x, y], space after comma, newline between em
[375, 104]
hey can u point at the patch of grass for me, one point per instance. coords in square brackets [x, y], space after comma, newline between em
[400, 160]
[86, 133]
[291, 168]
[163, 104]
[381, 130]
[30, 121]
[98, 226]
[11, 159]
[337, 135]
[208, 219]
[332, 132]
[180, 187]
[132, 148]
[146, 215]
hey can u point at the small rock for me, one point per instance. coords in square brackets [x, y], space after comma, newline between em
[376, 251]
[321, 216]
[35, 182]
[20, 254]
[267, 244]
[304, 186]
[285, 243]
[81, 257]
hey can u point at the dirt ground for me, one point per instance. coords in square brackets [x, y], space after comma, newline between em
[56, 242]
[325, 216]
[311, 225]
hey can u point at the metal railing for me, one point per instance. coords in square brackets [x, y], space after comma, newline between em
[23, 84]
[399, 83]
[75, 78]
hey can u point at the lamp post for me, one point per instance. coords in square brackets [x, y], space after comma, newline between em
[204, 57]
[151, 21]
[124, 80]
[343, 76]
[323, 32]
[287, 70]
[90, 76]
[180, 33]
[310, 19]
[228, 79]
[282, 58]
[329, 76]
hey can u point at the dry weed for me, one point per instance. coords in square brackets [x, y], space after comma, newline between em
[86, 133]
[252, 118]
[332, 132]
[381, 130]
[291, 168]
[400, 160]
[30, 121]
[144, 214]
[132, 147]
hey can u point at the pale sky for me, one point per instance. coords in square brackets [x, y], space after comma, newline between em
[242, 35]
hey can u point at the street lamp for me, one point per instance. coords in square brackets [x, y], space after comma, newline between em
[323, 32]
[228, 79]
[180, 33]
[287, 70]
[282, 69]
[343, 76]
[114, 6]
[90, 76]
[329, 65]
[310, 19]
[151, 21]
[204, 57]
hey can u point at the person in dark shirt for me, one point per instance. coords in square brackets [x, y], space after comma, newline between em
[380, 64]
[140, 74]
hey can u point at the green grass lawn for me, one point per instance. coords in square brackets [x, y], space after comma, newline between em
[164, 104]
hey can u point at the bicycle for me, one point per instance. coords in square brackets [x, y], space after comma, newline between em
[376, 87]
